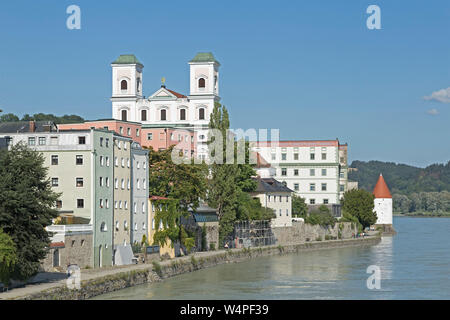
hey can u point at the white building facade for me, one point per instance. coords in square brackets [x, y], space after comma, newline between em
[314, 170]
[165, 107]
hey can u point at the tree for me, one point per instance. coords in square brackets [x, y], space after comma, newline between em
[27, 206]
[299, 207]
[184, 182]
[360, 204]
[322, 216]
[8, 258]
[9, 117]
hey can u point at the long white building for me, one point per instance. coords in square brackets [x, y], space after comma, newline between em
[166, 108]
[314, 170]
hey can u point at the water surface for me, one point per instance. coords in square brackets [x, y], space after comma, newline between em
[415, 264]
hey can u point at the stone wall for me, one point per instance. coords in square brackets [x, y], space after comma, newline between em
[77, 250]
[301, 232]
[166, 269]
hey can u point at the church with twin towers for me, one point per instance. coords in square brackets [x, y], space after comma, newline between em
[166, 108]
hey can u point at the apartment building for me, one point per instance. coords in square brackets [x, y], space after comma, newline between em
[315, 170]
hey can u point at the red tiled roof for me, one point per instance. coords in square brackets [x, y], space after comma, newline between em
[57, 245]
[178, 95]
[299, 143]
[158, 198]
[381, 189]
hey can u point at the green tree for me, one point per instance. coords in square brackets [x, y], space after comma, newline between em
[184, 182]
[8, 258]
[27, 206]
[299, 207]
[9, 117]
[322, 216]
[167, 216]
[359, 203]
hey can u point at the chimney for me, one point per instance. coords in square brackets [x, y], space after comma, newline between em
[32, 126]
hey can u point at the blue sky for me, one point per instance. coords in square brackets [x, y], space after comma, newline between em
[310, 68]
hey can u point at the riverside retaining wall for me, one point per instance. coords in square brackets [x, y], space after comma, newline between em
[166, 269]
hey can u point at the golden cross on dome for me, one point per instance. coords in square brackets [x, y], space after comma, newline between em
[163, 80]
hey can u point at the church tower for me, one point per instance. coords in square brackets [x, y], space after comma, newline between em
[204, 75]
[383, 203]
[126, 86]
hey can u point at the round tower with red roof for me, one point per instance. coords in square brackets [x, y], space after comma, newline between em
[383, 202]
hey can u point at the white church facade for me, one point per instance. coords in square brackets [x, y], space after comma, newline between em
[166, 108]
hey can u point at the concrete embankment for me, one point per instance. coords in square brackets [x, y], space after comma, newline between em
[103, 281]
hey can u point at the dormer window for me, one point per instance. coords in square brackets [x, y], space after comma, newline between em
[201, 83]
[124, 85]
[201, 114]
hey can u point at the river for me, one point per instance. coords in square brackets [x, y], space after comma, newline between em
[414, 264]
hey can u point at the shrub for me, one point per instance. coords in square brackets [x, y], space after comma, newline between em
[321, 217]
[318, 239]
[212, 246]
[157, 268]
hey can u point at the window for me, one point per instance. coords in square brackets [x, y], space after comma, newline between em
[138, 185]
[116, 183]
[101, 203]
[54, 141]
[312, 201]
[107, 181]
[80, 203]
[116, 161]
[128, 162]
[107, 203]
[107, 142]
[101, 142]
[143, 225]
[123, 85]
[324, 156]
[135, 226]
[201, 83]
[284, 183]
[101, 161]
[58, 204]
[81, 140]
[341, 174]
[341, 188]
[79, 159]
[122, 162]
[283, 171]
[79, 182]
[312, 187]
[122, 184]
[149, 136]
[283, 156]
[325, 201]
[295, 172]
[120, 204]
[201, 114]
[324, 172]
[137, 165]
[128, 184]
[103, 228]
[126, 205]
[137, 132]
[124, 115]
[312, 156]
[121, 130]
[287, 212]
[101, 181]
[107, 161]
[128, 132]
[182, 114]
[143, 184]
[295, 156]
[324, 187]
[54, 182]
[31, 141]
[54, 160]
[116, 204]
[143, 207]
[312, 172]
[119, 144]
[273, 156]
[42, 141]
[143, 115]
[280, 212]
[117, 225]
[163, 114]
[135, 207]
[296, 187]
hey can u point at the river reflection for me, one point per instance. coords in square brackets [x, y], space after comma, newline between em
[413, 266]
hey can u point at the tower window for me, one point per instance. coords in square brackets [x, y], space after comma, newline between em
[123, 85]
[124, 115]
[201, 114]
[163, 114]
[183, 114]
[144, 115]
[201, 83]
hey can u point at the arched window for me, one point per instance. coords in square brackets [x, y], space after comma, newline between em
[182, 114]
[144, 115]
[201, 83]
[123, 85]
[201, 114]
[163, 114]
[103, 227]
[124, 115]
